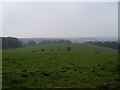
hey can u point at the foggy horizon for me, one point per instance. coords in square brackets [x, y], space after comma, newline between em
[60, 37]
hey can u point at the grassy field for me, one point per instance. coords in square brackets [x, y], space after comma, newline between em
[60, 66]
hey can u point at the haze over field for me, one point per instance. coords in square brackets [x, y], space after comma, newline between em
[90, 19]
[60, 45]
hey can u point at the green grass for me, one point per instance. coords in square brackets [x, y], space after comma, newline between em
[84, 66]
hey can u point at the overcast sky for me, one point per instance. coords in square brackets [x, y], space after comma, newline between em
[70, 19]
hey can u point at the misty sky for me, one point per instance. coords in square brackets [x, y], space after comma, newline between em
[70, 19]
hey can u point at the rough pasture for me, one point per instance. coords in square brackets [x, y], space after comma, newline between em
[60, 65]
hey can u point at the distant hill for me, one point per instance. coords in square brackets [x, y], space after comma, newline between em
[37, 40]
[73, 40]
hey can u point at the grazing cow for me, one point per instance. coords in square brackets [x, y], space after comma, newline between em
[33, 51]
[43, 50]
[58, 49]
[51, 50]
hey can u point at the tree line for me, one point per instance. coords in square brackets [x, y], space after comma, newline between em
[55, 42]
[110, 44]
[13, 42]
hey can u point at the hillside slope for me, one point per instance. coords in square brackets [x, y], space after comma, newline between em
[56, 66]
